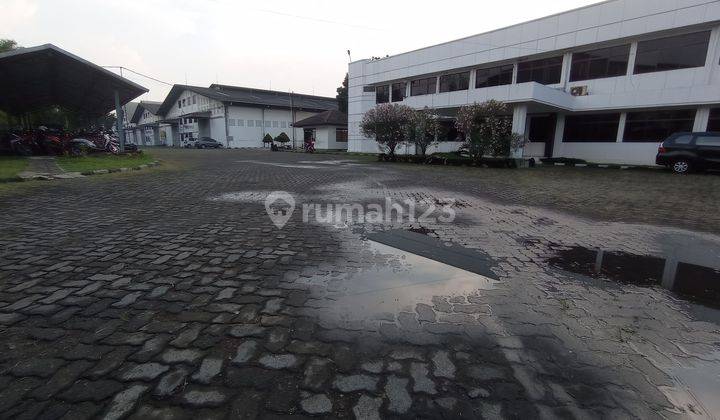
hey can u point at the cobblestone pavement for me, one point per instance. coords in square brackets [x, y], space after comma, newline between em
[170, 294]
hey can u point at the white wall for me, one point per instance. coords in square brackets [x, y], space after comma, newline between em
[271, 121]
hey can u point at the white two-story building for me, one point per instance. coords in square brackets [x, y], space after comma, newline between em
[235, 116]
[605, 83]
[144, 125]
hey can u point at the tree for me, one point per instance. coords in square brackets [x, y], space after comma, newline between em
[389, 124]
[487, 130]
[267, 139]
[7, 45]
[282, 138]
[342, 96]
[423, 129]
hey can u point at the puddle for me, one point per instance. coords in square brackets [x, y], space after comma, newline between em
[396, 280]
[690, 275]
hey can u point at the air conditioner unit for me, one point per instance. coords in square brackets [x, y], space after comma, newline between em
[579, 91]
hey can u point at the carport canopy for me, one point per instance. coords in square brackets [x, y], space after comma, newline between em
[36, 77]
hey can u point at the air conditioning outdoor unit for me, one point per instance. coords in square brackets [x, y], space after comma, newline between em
[579, 91]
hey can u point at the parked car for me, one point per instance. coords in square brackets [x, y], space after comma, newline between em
[190, 143]
[685, 152]
[207, 143]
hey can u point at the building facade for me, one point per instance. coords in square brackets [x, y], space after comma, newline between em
[326, 130]
[145, 125]
[604, 83]
[237, 117]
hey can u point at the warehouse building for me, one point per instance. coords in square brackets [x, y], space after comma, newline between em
[235, 116]
[604, 83]
[145, 125]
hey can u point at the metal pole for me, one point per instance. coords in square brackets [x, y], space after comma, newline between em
[118, 122]
[292, 118]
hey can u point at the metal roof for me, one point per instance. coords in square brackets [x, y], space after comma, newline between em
[335, 118]
[242, 96]
[150, 106]
[36, 77]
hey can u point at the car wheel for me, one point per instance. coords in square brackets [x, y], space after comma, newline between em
[681, 166]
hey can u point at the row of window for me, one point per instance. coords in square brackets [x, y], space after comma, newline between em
[192, 100]
[232, 122]
[640, 127]
[671, 53]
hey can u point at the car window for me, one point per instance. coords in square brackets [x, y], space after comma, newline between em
[685, 139]
[708, 141]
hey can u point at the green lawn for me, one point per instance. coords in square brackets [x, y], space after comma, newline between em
[10, 166]
[91, 163]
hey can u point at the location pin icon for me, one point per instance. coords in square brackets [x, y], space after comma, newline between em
[279, 206]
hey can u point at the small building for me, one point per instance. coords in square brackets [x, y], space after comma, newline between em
[327, 129]
[235, 116]
[129, 127]
[146, 124]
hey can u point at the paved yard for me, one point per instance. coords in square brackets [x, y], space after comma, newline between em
[171, 294]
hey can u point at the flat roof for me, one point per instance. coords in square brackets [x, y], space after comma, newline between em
[46, 75]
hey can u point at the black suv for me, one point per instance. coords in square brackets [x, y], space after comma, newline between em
[684, 152]
[207, 143]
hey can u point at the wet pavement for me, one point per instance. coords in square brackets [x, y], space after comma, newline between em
[171, 294]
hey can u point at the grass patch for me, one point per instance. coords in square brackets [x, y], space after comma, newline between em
[10, 166]
[97, 162]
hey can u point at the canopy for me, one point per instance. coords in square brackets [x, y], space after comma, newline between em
[37, 77]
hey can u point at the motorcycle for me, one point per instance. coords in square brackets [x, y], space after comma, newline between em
[310, 147]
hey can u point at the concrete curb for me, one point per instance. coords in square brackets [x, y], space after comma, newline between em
[605, 166]
[70, 175]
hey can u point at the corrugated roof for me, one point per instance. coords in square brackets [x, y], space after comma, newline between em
[37, 77]
[324, 118]
[252, 97]
[150, 106]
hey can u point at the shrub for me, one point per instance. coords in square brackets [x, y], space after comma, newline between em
[267, 139]
[423, 129]
[487, 130]
[389, 124]
[282, 138]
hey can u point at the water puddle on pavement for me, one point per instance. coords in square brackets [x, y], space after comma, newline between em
[394, 280]
[694, 277]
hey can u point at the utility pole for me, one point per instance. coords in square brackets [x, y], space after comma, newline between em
[118, 121]
[292, 118]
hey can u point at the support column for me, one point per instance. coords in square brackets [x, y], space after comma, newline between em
[519, 125]
[702, 117]
[621, 128]
[119, 122]
[559, 134]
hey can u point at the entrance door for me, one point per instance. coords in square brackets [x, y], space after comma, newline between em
[542, 130]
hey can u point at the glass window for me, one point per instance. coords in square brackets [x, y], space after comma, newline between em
[183, 102]
[369, 89]
[495, 76]
[714, 122]
[426, 86]
[251, 123]
[448, 132]
[267, 124]
[597, 64]
[231, 122]
[591, 128]
[179, 104]
[341, 134]
[684, 139]
[546, 71]
[398, 91]
[258, 123]
[672, 53]
[276, 124]
[283, 124]
[656, 126]
[194, 99]
[382, 94]
[241, 123]
[706, 140]
[454, 82]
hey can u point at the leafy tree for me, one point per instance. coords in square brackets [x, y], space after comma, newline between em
[7, 45]
[423, 129]
[282, 138]
[342, 96]
[267, 139]
[487, 130]
[389, 124]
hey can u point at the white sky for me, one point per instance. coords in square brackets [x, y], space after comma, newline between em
[283, 44]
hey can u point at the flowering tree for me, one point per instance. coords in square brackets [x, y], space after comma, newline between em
[389, 124]
[423, 129]
[487, 130]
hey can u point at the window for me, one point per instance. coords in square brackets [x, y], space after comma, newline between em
[258, 123]
[398, 91]
[194, 99]
[684, 139]
[276, 124]
[597, 64]
[495, 76]
[267, 124]
[591, 128]
[453, 82]
[179, 104]
[706, 140]
[656, 126]
[251, 123]
[423, 86]
[448, 132]
[231, 122]
[183, 102]
[672, 53]
[546, 71]
[341, 134]
[241, 123]
[382, 94]
[369, 89]
[714, 122]
[283, 124]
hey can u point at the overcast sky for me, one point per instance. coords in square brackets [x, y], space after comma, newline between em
[285, 45]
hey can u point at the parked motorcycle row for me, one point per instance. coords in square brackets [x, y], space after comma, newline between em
[47, 141]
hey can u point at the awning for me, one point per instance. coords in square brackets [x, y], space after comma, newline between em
[37, 77]
[205, 114]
